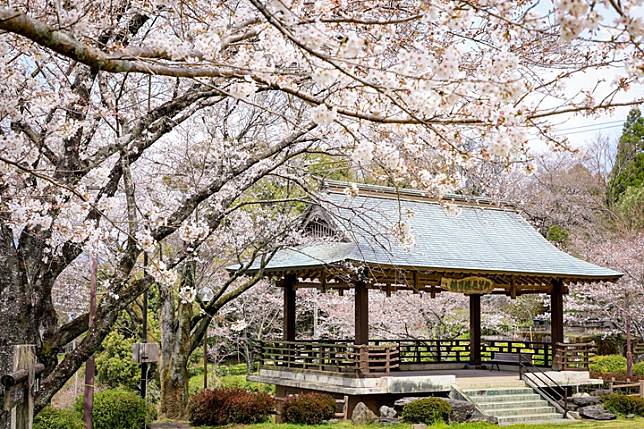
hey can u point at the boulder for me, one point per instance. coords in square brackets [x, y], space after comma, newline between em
[362, 415]
[400, 403]
[463, 411]
[601, 392]
[419, 426]
[388, 415]
[584, 401]
[595, 412]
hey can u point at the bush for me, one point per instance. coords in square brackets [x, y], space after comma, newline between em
[114, 365]
[308, 408]
[622, 404]
[229, 405]
[638, 369]
[119, 409]
[427, 410]
[52, 418]
[608, 364]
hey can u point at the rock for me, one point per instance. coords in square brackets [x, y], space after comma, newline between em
[595, 412]
[571, 405]
[362, 415]
[419, 426]
[584, 401]
[463, 411]
[388, 415]
[387, 412]
[574, 414]
[400, 403]
[580, 395]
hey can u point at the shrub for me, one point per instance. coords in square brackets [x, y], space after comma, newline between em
[53, 418]
[229, 405]
[427, 410]
[622, 404]
[114, 365]
[608, 364]
[119, 409]
[638, 369]
[308, 408]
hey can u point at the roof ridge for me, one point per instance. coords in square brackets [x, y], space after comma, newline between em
[338, 186]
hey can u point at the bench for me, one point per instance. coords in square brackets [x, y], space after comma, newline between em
[519, 359]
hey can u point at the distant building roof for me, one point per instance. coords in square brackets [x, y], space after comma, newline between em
[404, 229]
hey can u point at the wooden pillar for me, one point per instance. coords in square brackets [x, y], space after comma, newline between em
[361, 308]
[289, 307]
[475, 329]
[556, 316]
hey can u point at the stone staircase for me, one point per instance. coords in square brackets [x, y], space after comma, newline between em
[516, 403]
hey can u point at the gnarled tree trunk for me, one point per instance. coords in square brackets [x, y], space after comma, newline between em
[175, 347]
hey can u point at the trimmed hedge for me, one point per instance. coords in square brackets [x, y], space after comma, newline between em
[427, 411]
[54, 418]
[608, 364]
[308, 408]
[638, 369]
[618, 403]
[119, 409]
[219, 407]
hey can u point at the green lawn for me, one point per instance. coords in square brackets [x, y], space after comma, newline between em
[637, 423]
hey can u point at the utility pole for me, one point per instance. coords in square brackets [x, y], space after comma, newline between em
[89, 365]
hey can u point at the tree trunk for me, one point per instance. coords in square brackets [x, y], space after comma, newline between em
[175, 348]
[16, 308]
[629, 348]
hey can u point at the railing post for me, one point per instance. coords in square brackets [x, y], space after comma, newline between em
[363, 359]
[642, 388]
[387, 360]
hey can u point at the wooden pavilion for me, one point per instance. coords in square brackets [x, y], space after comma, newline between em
[461, 244]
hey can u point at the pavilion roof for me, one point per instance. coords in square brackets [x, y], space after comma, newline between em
[458, 236]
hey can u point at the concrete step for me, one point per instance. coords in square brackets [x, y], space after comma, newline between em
[533, 418]
[498, 391]
[524, 411]
[491, 406]
[482, 399]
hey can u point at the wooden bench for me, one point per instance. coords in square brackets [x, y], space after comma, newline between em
[519, 359]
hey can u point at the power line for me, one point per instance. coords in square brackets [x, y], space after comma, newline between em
[590, 125]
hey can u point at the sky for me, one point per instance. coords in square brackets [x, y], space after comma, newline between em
[581, 130]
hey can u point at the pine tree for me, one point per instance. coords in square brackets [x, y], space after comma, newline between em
[628, 171]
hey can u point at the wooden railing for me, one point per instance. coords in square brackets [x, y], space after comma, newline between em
[383, 356]
[433, 351]
[630, 388]
[340, 357]
[573, 356]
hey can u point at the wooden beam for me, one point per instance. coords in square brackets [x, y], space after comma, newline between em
[475, 329]
[289, 307]
[361, 314]
[556, 314]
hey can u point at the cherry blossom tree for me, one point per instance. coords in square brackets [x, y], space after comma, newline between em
[103, 101]
[620, 303]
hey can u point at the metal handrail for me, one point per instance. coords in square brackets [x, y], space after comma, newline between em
[538, 373]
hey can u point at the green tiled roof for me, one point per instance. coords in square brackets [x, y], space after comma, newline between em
[479, 237]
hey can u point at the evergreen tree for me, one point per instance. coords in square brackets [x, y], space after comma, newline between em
[627, 175]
